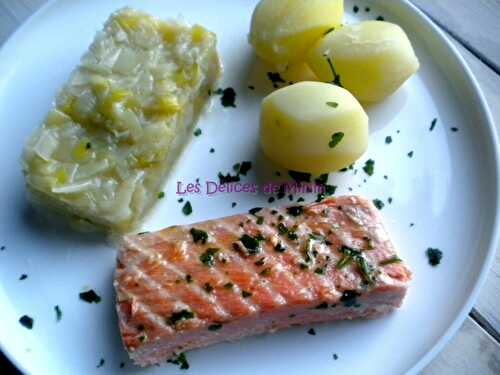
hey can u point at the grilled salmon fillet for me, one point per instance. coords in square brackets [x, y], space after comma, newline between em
[186, 287]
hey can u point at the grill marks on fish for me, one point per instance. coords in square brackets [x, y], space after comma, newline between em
[153, 269]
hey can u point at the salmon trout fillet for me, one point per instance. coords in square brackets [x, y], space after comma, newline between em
[190, 286]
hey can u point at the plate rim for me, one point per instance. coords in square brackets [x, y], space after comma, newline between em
[493, 242]
[488, 122]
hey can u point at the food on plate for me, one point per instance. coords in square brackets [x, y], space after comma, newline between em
[190, 286]
[298, 72]
[119, 123]
[313, 127]
[282, 31]
[371, 59]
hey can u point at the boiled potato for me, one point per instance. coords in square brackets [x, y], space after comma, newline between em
[313, 127]
[371, 59]
[283, 30]
[299, 72]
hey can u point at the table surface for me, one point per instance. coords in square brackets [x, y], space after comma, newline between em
[474, 28]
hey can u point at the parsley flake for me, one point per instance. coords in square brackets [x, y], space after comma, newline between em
[90, 296]
[336, 138]
[187, 209]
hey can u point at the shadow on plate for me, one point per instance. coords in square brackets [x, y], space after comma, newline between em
[382, 113]
[40, 222]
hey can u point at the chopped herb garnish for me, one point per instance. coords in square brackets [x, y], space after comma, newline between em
[279, 247]
[199, 235]
[355, 9]
[122, 364]
[282, 229]
[265, 272]
[260, 262]
[187, 209]
[336, 138]
[328, 31]
[88, 145]
[254, 210]
[433, 124]
[335, 357]
[228, 178]
[295, 210]
[332, 104]
[245, 167]
[23, 277]
[292, 235]
[393, 259]
[311, 331]
[251, 243]
[208, 287]
[275, 78]
[336, 77]
[233, 204]
[161, 195]
[330, 189]
[90, 296]
[454, 129]
[410, 154]
[379, 18]
[388, 139]
[350, 167]
[367, 9]
[300, 200]
[197, 132]
[322, 179]
[246, 294]
[2, 248]
[212, 150]
[189, 278]
[270, 200]
[350, 255]
[320, 270]
[229, 285]
[208, 257]
[299, 176]
[349, 298]
[214, 327]
[101, 363]
[58, 312]
[228, 97]
[180, 360]
[303, 266]
[378, 203]
[26, 321]
[180, 315]
[369, 167]
[322, 306]
[250, 87]
[434, 256]
[260, 220]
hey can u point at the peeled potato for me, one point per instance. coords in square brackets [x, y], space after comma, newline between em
[313, 127]
[299, 72]
[283, 30]
[371, 59]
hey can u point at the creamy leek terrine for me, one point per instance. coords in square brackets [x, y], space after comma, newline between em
[120, 121]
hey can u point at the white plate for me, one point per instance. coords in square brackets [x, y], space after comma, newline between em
[449, 189]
